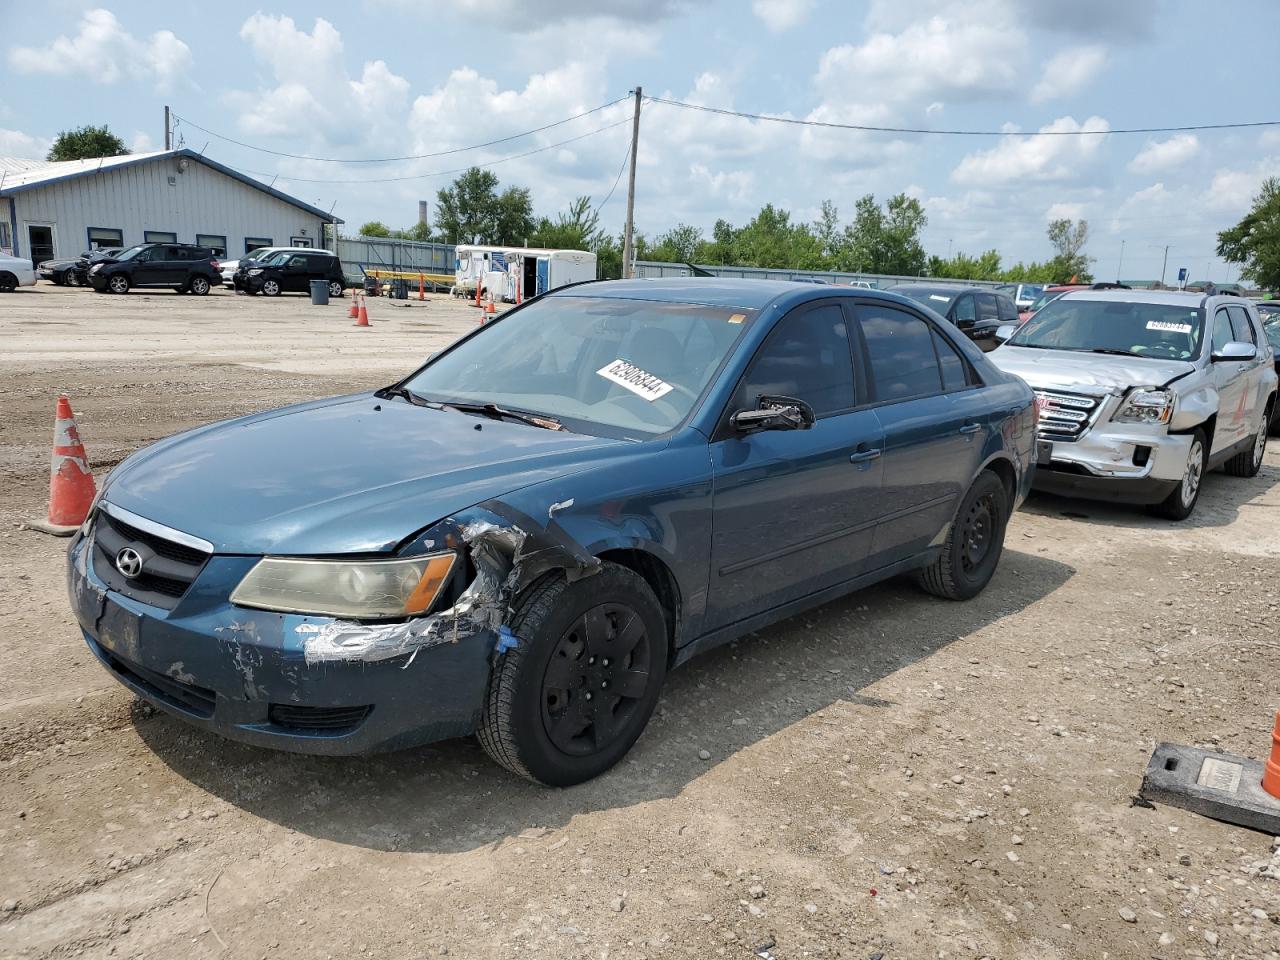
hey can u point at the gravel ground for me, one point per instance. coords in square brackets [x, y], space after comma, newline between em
[890, 775]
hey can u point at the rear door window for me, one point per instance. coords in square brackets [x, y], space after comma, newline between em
[806, 357]
[1006, 310]
[901, 353]
[954, 369]
[965, 312]
[987, 307]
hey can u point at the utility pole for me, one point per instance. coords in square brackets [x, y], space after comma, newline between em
[168, 130]
[1164, 264]
[629, 230]
[1121, 263]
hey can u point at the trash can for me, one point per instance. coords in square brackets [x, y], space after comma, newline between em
[400, 289]
[319, 293]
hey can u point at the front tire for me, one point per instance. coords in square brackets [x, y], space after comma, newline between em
[271, 288]
[571, 698]
[973, 547]
[118, 283]
[1181, 503]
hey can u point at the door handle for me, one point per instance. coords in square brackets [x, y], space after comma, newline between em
[862, 456]
[971, 428]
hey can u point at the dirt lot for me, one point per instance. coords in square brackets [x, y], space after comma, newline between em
[891, 775]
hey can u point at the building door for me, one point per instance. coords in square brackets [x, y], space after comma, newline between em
[544, 267]
[40, 242]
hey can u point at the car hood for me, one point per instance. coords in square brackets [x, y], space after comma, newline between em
[346, 475]
[1092, 373]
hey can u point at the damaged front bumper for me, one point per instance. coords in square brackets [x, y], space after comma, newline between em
[313, 684]
[1136, 464]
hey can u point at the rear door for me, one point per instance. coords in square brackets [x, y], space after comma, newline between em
[1255, 372]
[794, 511]
[935, 423]
[984, 331]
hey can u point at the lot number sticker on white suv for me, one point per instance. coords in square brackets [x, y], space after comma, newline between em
[1168, 327]
[640, 382]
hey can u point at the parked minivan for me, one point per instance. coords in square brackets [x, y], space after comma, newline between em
[291, 271]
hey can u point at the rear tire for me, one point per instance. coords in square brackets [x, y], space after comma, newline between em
[1247, 463]
[8, 282]
[572, 697]
[974, 544]
[1181, 503]
[199, 286]
[335, 289]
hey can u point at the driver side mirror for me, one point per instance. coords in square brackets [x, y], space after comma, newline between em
[1005, 331]
[774, 413]
[1236, 350]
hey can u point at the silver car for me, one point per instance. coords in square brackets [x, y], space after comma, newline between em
[1140, 392]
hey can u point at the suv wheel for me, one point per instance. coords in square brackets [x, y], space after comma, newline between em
[8, 282]
[118, 283]
[199, 286]
[1182, 501]
[335, 289]
[271, 288]
[568, 701]
[972, 548]
[1247, 463]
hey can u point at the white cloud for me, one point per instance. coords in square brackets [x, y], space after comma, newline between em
[1031, 158]
[1069, 72]
[517, 14]
[15, 143]
[779, 15]
[1064, 211]
[1157, 156]
[105, 52]
[142, 142]
[1232, 191]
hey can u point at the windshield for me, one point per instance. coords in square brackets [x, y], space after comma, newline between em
[1030, 291]
[1271, 326]
[133, 251]
[939, 300]
[1164, 331]
[633, 367]
[274, 259]
[1047, 296]
[258, 254]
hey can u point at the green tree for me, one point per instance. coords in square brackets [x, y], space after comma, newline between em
[86, 143]
[964, 267]
[1255, 240]
[885, 240]
[827, 231]
[471, 210]
[513, 217]
[1069, 260]
[375, 228]
[419, 232]
[679, 244]
[577, 228]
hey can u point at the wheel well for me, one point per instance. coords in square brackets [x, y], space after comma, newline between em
[1003, 470]
[1206, 427]
[660, 580]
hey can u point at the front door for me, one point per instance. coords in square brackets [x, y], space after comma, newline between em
[40, 242]
[934, 427]
[544, 274]
[149, 267]
[296, 275]
[794, 510]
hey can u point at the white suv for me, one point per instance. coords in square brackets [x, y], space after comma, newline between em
[1139, 392]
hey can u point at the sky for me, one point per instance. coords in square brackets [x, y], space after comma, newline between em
[368, 80]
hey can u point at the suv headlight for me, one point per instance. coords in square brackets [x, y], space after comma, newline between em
[1146, 405]
[95, 268]
[358, 589]
[254, 272]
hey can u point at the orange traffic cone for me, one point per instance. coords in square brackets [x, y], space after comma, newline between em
[355, 306]
[363, 316]
[1271, 770]
[71, 486]
[490, 309]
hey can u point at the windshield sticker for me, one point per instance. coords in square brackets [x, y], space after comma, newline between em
[934, 296]
[640, 382]
[737, 318]
[1168, 327]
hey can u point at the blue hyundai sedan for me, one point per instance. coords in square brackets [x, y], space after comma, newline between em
[523, 536]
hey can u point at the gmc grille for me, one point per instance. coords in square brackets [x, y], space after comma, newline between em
[1064, 416]
[168, 568]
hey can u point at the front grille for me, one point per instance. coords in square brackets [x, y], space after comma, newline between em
[331, 720]
[1064, 416]
[168, 568]
[177, 693]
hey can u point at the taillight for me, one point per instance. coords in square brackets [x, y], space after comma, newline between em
[217, 265]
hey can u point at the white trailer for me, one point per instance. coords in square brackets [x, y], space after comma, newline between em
[471, 263]
[533, 270]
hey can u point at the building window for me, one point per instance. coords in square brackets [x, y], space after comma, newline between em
[300, 241]
[253, 243]
[6, 241]
[216, 243]
[159, 236]
[100, 237]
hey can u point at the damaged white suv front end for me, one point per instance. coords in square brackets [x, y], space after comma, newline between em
[1140, 392]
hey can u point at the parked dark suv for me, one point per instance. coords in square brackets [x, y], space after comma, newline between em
[291, 271]
[182, 266]
[978, 313]
[521, 537]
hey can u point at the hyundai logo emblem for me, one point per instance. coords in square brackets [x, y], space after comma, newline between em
[129, 562]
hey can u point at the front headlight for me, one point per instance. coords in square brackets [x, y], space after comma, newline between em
[254, 273]
[356, 589]
[1146, 405]
[95, 268]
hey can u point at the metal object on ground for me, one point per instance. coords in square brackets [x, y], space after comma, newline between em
[320, 293]
[1216, 785]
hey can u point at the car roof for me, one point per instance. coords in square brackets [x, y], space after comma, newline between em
[1171, 297]
[940, 288]
[748, 294]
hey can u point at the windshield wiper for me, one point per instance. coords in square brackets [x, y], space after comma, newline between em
[495, 412]
[405, 393]
[1113, 353]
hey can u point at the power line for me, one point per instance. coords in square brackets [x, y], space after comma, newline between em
[419, 156]
[616, 180]
[959, 133]
[445, 173]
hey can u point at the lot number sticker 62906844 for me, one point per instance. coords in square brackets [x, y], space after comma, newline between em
[638, 381]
